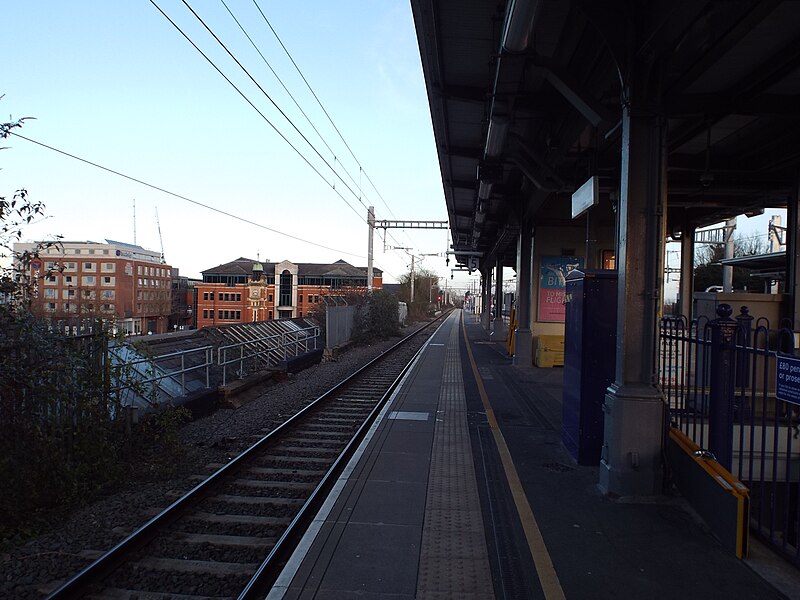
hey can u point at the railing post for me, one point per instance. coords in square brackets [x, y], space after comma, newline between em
[720, 410]
[744, 338]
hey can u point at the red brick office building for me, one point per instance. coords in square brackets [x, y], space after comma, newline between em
[115, 281]
[246, 290]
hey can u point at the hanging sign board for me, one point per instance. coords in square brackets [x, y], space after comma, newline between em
[587, 196]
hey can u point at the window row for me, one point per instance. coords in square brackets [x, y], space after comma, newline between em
[71, 267]
[223, 315]
[58, 250]
[225, 296]
[86, 294]
[153, 271]
[157, 283]
[84, 280]
[72, 307]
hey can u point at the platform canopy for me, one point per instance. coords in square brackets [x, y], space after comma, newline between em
[526, 100]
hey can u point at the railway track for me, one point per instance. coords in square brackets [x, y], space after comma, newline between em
[229, 536]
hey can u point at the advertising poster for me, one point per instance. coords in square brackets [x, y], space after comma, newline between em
[552, 286]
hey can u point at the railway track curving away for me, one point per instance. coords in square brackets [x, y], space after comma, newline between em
[229, 536]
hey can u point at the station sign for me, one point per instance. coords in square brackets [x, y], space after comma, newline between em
[587, 196]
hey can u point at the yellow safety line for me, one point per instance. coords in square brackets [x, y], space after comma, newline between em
[548, 578]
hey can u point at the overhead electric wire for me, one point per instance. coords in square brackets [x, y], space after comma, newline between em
[313, 93]
[176, 26]
[297, 104]
[187, 199]
[330, 119]
[283, 85]
[263, 116]
[263, 91]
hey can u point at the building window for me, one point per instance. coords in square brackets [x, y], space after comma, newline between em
[238, 297]
[91, 251]
[139, 270]
[108, 280]
[68, 279]
[108, 307]
[310, 298]
[77, 250]
[51, 306]
[108, 294]
[285, 291]
[270, 313]
[270, 299]
[105, 251]
[211, 296]
[109, 267]
[51, 293]
[88, 280]
[88, 266]
[50, 279]
[71, 266]
[238, 315]
[316, 298]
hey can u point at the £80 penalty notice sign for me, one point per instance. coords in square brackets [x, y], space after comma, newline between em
[787, 380]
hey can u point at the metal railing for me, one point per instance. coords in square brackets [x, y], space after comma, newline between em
[721, 382]
[265, 351]
[150, 377]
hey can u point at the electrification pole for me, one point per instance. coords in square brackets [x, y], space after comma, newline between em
[371, 223]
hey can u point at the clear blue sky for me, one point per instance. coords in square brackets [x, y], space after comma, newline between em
[115, 83]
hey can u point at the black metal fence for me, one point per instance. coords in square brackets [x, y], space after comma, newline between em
[724, 390]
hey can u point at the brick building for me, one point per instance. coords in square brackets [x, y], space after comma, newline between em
[113, 281]
[246, 290]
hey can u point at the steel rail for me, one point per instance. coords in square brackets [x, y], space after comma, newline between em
[111, 560]
[267, 573]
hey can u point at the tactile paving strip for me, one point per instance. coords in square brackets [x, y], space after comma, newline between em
[453, 557]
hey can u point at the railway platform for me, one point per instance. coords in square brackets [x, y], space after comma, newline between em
[463, 490]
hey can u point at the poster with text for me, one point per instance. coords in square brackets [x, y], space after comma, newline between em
[552, 286]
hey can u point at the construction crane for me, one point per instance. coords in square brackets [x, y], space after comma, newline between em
[160, 241]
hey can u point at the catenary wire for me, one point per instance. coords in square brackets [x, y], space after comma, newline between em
[283, 85]
[313, 93]
[330, 119]
[263, 91]
[177, 27]
[263, 116]
[190, 200]
[187, 199]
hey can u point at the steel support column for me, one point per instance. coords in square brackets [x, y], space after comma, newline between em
[486, 297]
[631, 457]
[686, 288]
[792, 276]
[498, 327]
[523, 337]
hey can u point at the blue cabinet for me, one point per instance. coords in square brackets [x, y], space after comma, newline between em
[589, 360]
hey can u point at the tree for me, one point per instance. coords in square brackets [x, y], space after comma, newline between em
[426, 290]
[60, 442]
[708, 270]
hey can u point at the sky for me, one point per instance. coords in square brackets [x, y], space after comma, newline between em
[264, 173]
[114, 83]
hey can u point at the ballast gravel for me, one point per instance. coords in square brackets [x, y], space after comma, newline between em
[35, 567]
